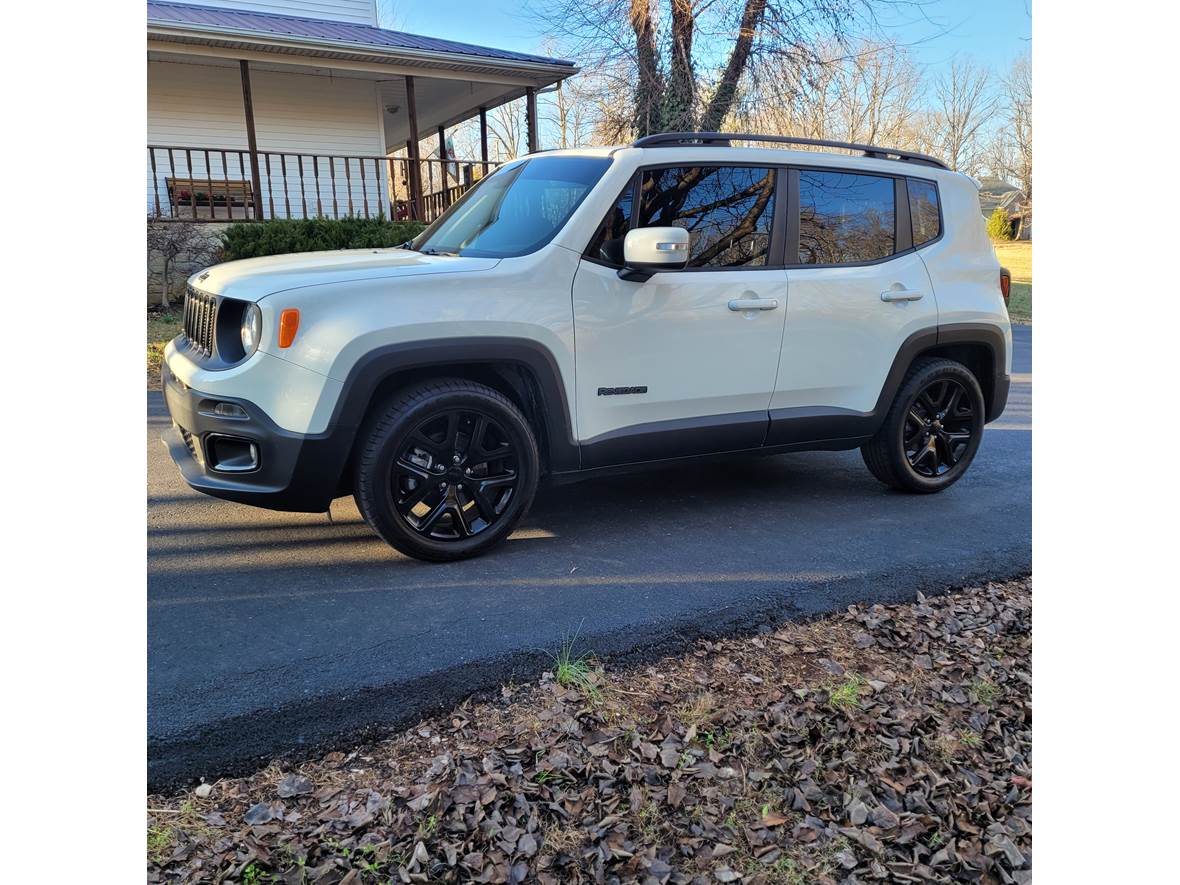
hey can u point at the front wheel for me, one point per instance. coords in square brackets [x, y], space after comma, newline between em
[447, 470]
[932, 431]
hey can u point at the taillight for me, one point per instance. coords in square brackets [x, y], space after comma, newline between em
[1005, 284]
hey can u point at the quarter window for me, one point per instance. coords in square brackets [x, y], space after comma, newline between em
[844, 217]
[607, 244]
[727, 211]
[923, 210]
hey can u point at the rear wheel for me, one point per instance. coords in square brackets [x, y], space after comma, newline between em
[932, 431]
[447, 471]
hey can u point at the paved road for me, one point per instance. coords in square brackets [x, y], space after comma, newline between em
[270, 632]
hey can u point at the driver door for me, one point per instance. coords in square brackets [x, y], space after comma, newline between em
[683, 363]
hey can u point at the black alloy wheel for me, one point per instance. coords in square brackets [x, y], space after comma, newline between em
[938, 428]
[932, 430]
[446, 469]
[456, 475]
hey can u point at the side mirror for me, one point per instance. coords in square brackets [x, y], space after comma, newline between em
[650, 249]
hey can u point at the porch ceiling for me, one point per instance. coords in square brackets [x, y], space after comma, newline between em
[452, 80]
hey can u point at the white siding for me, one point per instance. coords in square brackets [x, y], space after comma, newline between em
[360, 12]
[200, 106]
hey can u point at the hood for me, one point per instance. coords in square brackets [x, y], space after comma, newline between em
[252, 279]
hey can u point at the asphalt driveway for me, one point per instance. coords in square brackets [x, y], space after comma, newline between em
[271, 632]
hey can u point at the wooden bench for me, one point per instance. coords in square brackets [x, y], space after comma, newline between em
[184, 192]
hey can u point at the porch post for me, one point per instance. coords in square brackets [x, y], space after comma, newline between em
[483, 139]
[442, 155]
[531, 116]
[415, 180]
[251, 140]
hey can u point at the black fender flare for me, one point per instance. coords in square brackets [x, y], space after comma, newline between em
[806, 426]
[378, 365]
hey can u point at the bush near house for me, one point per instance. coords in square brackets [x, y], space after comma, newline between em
[282, 236]
[998, 225]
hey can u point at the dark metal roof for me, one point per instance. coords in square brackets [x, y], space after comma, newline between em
[206, 17]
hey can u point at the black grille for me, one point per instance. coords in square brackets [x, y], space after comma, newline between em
[200, 320]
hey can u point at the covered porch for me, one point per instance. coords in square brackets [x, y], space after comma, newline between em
[254, 116]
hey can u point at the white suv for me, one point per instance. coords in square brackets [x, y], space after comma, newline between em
[586, 309]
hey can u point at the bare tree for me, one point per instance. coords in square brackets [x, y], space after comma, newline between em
[1010, 155]
[867, 92]
[506, 131]
[685, 63]
[390, 15]
[963, 106]
[177, 245]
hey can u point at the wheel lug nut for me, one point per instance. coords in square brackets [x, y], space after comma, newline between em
[456, 459]
[442, 486]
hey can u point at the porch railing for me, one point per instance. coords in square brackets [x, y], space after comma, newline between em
[186, 183]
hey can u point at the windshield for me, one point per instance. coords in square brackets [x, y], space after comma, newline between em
[515, 210]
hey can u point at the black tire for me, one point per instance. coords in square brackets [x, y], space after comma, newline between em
[918, 448]
[467, 493]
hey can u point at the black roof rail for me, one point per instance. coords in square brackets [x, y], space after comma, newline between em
[692, 139]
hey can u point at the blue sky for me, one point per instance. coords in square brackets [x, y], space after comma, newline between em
[991, 31]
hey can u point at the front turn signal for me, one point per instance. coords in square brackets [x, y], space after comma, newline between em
[288, 326]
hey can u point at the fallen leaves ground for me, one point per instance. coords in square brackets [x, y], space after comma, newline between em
[884, 744]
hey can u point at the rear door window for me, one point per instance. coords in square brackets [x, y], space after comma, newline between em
[845, 217]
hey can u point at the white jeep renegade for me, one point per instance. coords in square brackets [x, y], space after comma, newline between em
[587, 309]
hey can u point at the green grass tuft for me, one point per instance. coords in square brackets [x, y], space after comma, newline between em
[572, 670]
[985, 691]
[846, 695]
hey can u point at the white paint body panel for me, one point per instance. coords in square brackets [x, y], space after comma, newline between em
[675, 334]
[828, 344]
[841, 338]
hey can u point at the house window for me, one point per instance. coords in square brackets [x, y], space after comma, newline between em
[727, 211]
[845, 218]
[923, 210]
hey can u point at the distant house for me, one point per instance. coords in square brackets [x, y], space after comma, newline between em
[995, 192]
[263, 109]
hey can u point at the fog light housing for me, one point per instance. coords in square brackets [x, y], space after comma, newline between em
[231, 454]
[229, 410]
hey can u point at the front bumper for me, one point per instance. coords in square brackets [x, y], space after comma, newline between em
[292, 471]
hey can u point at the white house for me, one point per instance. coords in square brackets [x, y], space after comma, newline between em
[263, 109]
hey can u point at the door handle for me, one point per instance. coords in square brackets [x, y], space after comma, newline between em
[901, 295]
[753, 303]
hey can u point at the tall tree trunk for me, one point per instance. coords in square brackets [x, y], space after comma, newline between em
[648, 88]
[723, 98]
[680, 102]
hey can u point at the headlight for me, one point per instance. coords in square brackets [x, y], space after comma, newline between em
[251, 329]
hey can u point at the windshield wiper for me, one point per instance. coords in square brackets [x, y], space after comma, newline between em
[433, 251]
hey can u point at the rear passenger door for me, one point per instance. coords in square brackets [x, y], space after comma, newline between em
[858, 290]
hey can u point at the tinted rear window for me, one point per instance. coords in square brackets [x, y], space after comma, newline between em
[845, 217]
